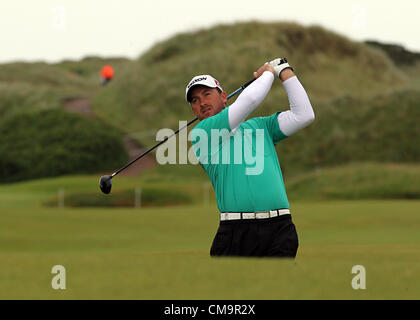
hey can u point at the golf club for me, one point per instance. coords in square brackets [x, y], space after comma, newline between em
[105, 181]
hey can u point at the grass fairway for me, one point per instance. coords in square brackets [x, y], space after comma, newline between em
[163, 254]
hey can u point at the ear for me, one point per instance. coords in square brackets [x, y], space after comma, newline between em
[224, 97]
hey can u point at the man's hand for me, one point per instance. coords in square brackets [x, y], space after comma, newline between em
[264, 67]
[282, 69]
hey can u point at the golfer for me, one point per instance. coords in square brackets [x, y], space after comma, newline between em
[255, 220]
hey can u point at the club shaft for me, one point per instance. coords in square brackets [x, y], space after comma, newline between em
[152, 148]
[171, 135]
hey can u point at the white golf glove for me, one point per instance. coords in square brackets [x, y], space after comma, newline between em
[279, 65]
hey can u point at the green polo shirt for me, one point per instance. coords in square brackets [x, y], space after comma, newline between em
[242, 164]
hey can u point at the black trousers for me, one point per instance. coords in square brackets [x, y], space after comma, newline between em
[272, 237]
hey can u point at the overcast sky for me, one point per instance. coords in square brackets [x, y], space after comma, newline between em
[54, 30]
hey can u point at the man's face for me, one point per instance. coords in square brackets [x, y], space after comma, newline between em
[207, 102]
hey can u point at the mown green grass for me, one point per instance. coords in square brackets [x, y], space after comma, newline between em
[162, 253]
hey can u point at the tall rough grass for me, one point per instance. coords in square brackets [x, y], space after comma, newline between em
[150, 92]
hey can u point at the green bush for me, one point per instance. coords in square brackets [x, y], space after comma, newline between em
[54, 142]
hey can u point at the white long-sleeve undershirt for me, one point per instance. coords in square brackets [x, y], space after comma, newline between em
[249, 99]
[299, 116]
[301, 113]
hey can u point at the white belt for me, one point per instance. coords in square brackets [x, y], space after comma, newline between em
[253, 215]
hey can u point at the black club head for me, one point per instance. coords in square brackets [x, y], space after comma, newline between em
[105, 184]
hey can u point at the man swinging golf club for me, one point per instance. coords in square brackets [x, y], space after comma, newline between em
[255, 219]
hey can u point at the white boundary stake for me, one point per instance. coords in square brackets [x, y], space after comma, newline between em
[61, 198]
[137, 200]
